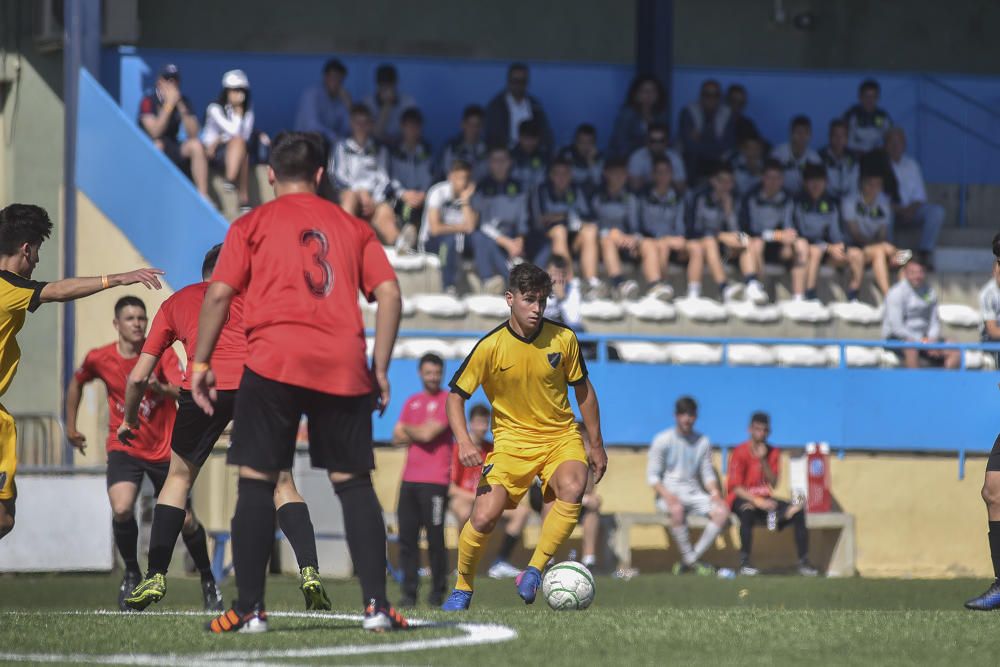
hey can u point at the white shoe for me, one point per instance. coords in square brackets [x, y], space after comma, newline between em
[748, 571]
[503, 570]
[756, 293]
[255, 625]
[629, 290]
[661, 291]
[732, 292]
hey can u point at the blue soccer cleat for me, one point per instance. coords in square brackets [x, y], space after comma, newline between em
[988, 601]
[527, 584]
[457, 601]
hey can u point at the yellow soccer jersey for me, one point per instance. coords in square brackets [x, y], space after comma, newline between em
[18, 295]
[525, 380]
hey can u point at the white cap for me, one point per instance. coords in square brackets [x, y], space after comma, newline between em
[235, 78]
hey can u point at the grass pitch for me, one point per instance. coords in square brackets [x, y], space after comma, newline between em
[651, 619]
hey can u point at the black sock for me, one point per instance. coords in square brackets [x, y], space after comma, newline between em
[995, 547]
[365, 532]
[852, 294]
[749, 278]
[617, 280]
[167, 523]
[127, 539]
[507, 546]
[811, 294]
[253, 536]
[294, 521]
[197, 546]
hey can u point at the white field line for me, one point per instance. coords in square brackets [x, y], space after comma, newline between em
[474, 634]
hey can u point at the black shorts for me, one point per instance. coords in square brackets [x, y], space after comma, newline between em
[195, 433]
[923, 354]
[123, 467]
[772, 253]
[172, 149]
[266, 422]
[993, 462]
[406, 214]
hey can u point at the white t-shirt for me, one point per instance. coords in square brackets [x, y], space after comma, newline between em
[911, 181]
[442, 197]
[223, 123]
[519, 112]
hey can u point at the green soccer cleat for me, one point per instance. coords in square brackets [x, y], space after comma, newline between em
[149, 590]
[312, 590]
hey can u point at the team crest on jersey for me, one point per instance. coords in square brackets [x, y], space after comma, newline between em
[554, 359]
[486, 469]
[3, 479]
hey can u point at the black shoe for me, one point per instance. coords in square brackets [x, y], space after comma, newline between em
[211, 595]
[129, 582]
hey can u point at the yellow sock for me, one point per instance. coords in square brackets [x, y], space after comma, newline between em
[557, 527]
[470, 548]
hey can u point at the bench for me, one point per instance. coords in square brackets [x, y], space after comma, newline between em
[842, 559]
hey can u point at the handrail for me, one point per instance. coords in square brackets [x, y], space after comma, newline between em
[960, 95]
[945, 118]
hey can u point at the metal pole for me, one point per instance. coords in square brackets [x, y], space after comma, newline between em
[72, 56]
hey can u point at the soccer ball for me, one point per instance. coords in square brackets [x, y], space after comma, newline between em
[568, 586]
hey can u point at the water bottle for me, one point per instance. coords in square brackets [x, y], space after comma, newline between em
[772, 520]
[572, 554]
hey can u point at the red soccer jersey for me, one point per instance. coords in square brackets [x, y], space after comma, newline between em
[467, 477]
[300, 261]
[745, 470]
[177, 319]
[156, 412]
[428, 462]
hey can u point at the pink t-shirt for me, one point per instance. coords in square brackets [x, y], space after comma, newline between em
[430, 462]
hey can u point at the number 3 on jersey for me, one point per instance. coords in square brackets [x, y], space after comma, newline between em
[320, 285]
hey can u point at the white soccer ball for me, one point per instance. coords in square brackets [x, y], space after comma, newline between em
[568, 586]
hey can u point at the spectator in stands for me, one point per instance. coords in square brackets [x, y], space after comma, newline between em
[816, 218]
[867, 123]
[766, 216]
[867, 219]
[325, 107]
[640, 163]
[911, 315]
[754, 467]
[502, 205]
[229, 133]
[360, 171]
[387, 105]
[747, 163]
[511, 107]
[795, 154]
[663, 234]
[680, 471]
[645, 104]
[841, 166]
[562, 212]
[449, 218]
[743, 126]
[530, 162]
[617, 214]
[423, 494]
[563, 305]
[162, 114]
[913, 207]
[712, 224]
[989, 303]
[468, 145]
[410, 168]
[465, 480]
[706, 132]
[587, 161]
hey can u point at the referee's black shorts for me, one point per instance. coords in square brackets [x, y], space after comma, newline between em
[266, 423]
[993, 462]
[195, 433]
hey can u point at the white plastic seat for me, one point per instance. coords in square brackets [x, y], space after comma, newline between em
[486, 305]
[750, 354]
[409, 307]
[406, 262]
[807, 356]
[651, 309]
[807, 312]
[463, 346]
[602, 309]
[440, 305]
[642, 352]
[695, 353]
[975, 359]
[369, 346]
[857, 312]
[414, 348]
[856, 356]
[890, 359]
[959, 315]
[750, 312]
[701, 310]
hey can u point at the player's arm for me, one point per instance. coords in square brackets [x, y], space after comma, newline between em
[468, 453]
[73, 394]
[655, 467]
[707, 474]
[390, 307]
[214, 311]
[69, 289]
[586, 398]
[135, 388]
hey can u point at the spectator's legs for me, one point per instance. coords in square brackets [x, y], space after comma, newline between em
[931, 220]
[800, 268]
[876, 254]
[696, 267]
[856, 262]
[713, 257]
[679, 533]
[650, 256]
[349, 202]
[911, 358]
[748, 516]
[433, 503]
[489, 258]
[796, 516]
[384, 222]
[408, 515]
[559, 238]
[591, 526]
[718, 517]
[195, 152]
[612, 258]
[586, 244]
[238, 167]
[446, 248]
[812, 271]
[752, 259]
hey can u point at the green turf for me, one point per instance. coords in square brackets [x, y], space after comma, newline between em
[651, 619]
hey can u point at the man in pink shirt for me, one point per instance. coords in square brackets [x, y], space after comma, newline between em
[423, 494]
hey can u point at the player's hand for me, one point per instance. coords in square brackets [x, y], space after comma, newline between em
[466, 194]
[382, 391]
[598, 458]
[203, 390]
[468, 454]
[127, 432]
[148, 277]
[77, 439]
[766, 504]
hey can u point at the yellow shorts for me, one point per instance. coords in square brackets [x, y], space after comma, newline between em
[514, 466]
[8, 455]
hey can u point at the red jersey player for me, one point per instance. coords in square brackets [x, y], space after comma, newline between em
[194, 436]
[465, 479]
[150, 455]
[300, 262]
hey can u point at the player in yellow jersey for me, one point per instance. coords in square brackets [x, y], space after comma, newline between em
[525, 367]
[23, 229]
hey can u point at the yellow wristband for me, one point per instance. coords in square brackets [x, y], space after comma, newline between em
[200, 367]
[104, 281]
